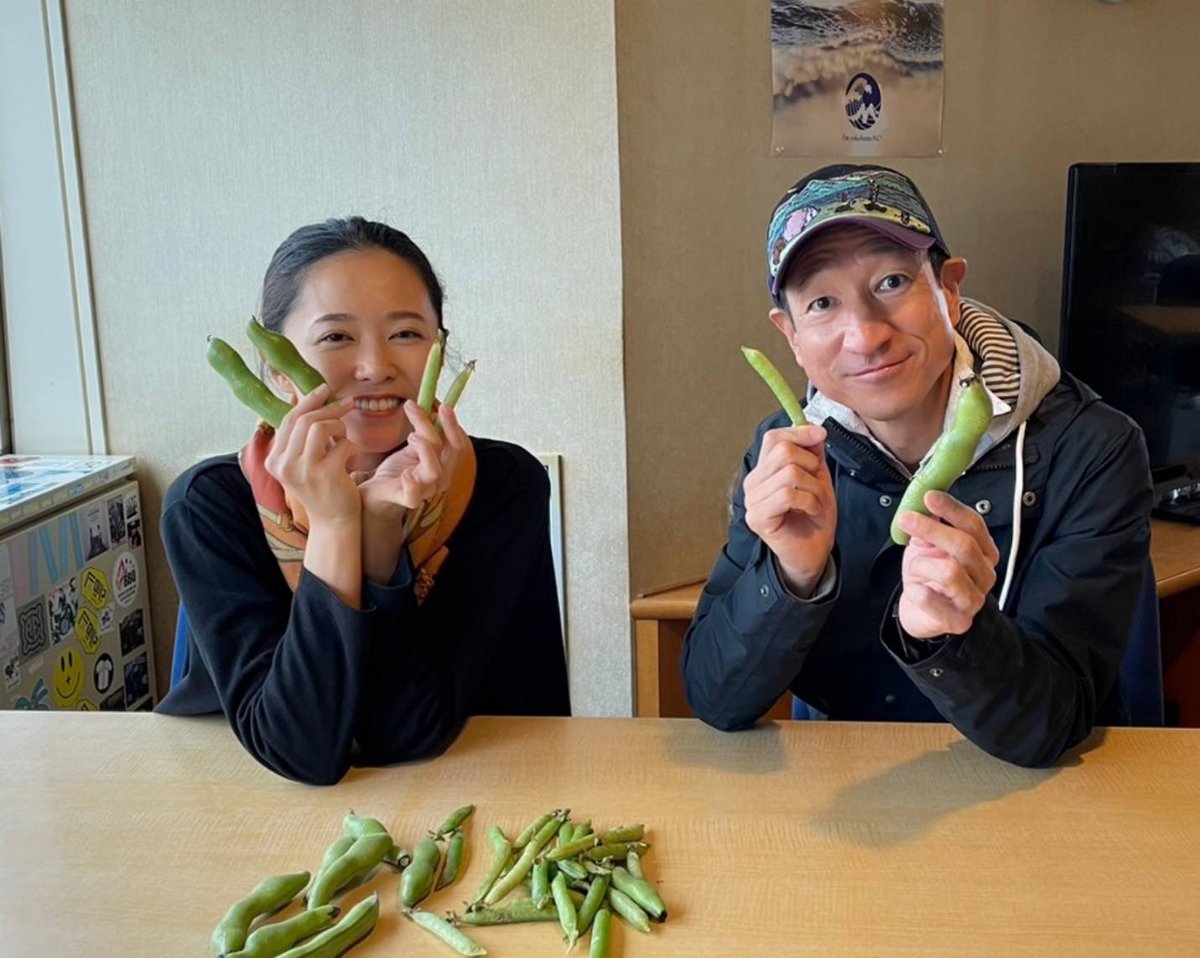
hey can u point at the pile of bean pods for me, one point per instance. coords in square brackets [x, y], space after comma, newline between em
[568, 872]
[574, 875]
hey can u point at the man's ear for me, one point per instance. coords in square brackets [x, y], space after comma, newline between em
[953, 272]
[783, 322]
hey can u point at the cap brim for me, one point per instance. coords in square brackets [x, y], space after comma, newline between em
[893, 231]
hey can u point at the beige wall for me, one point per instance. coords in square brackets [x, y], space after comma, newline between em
[1031, 87]
[208, 131]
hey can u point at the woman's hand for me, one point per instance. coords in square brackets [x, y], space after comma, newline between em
[309, 458]
[419, 470]
[404, 480]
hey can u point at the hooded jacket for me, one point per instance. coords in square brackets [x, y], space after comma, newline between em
[1028, 680]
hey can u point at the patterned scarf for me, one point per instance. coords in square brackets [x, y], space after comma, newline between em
[426, 529]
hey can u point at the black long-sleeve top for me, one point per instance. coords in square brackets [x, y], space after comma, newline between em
[311, 685]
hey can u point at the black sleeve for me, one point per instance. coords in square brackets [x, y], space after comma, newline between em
[1025, 685]
[286, 669]
[488, 638]
[749, 637]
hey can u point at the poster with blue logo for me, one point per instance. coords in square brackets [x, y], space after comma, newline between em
[857, 78]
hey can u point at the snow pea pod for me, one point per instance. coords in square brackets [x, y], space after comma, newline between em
[247, 387]
[268, 896]
[615, 850]
[572, 848]
[592, 901]
[454, 821]
[521, 868]
[568, 917]
[272, 940]
[777, 384]
[624, 833]
[354, 926]
[429, 378]
[601, 935]
[628, 909]
[366, 852]
[454, 859]
[642, 892]
[539, 889]
[282, 356]
[456, 938]
[417, 881]
[633, 864]
[521, 910]
[951, 453]
[501, 856]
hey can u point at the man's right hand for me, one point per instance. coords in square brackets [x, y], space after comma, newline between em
[791, 506]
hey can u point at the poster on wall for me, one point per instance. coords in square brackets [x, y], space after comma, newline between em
[857, 78]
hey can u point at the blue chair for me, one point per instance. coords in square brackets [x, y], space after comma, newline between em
[1141, 669]
[180, 656]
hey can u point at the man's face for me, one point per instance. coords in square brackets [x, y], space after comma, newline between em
[867, 328]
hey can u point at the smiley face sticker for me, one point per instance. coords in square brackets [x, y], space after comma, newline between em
[68, 678]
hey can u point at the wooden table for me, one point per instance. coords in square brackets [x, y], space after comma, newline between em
[662, 618]
[129, 834]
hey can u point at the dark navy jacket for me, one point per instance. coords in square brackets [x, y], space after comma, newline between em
[311, 685]
[1024, 684]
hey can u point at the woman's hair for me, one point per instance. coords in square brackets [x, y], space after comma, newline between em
[311, 244]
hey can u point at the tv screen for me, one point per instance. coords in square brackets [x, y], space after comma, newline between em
[1130, 324]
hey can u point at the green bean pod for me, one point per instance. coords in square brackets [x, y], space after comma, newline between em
[641, 891]
[454, 821]
[615, 850]
[777, 384]
[568, 917]
[624, 833]
[572, 848]
[529, 853]
[269, 896]
[628, 909]
[274, 939]
[354, 926]
[366, 852]
[456, 938]
[592, 901]
[601, 935]
[501, 856]
[433, 369]
[247, 387]
[951, 454]
[417, 881]
[282, 356]
[454, 859]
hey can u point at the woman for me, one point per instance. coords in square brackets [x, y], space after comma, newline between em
[355, 584]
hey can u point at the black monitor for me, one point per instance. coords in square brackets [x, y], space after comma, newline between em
[1130, 324]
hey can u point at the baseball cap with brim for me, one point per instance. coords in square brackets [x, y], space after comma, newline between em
[871, 196]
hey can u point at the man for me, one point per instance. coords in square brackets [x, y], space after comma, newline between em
[1013, 631]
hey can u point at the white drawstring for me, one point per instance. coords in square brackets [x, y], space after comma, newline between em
[1018, 495]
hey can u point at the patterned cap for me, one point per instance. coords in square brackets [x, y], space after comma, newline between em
[871, 196]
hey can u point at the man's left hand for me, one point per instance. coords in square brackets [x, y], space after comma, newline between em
[949, 567]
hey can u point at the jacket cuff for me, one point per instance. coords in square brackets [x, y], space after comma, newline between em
[397, 592]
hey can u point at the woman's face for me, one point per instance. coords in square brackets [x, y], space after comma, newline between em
[363, 319]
